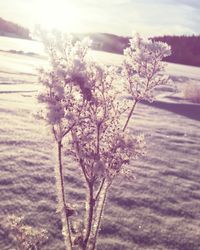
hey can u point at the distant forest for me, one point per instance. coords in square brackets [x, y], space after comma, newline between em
[8, 28]
[185, 49]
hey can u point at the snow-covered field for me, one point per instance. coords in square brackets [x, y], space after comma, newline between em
[157, 211]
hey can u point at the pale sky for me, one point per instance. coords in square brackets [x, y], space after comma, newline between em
[122, 17]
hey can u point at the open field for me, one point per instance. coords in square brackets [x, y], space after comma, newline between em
[159, 210]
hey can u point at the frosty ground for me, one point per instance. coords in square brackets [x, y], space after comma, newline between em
[159, 210]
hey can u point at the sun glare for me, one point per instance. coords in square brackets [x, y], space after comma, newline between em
[58, 14]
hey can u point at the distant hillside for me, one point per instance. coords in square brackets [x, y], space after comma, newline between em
[109, 42]
[105, 42]
[185, 49]
[8, 28]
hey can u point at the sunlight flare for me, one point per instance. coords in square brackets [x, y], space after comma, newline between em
[58, 14]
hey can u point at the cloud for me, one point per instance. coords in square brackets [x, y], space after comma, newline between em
[191, 3]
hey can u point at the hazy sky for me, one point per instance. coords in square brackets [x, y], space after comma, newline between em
[149, 17]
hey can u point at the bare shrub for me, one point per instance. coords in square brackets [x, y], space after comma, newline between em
[24, 236]
[192, 92]
[87, 120]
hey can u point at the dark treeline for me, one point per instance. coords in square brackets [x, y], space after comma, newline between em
[185, 49]
[8, 28]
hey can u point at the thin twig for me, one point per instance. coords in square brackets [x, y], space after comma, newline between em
[99, 190]
[54, 133]
[69, 129]
[130, 114]
[61, 192]
[98, 216]
[89, 216]
[98, 137]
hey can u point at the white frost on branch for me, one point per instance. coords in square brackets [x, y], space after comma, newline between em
[143, 68]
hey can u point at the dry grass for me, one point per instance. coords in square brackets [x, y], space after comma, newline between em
[192, 92]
